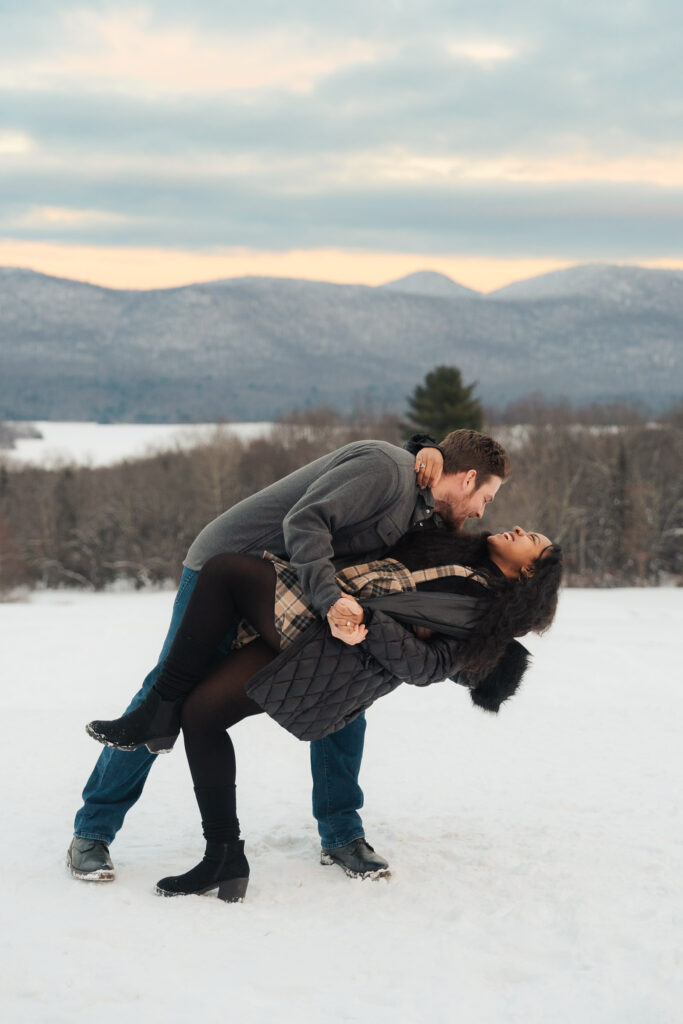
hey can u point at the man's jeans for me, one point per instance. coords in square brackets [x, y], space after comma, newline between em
[119, 776]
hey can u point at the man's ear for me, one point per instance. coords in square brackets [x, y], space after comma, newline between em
[470, 480]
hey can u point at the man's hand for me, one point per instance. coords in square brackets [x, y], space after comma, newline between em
[350, 635]
[428, 466]
[345, 619]
[422, 633]
[345, 612]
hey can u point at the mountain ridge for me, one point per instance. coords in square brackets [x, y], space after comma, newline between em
[254, 348]
[430, 283]
[579, 278]
[595, 279]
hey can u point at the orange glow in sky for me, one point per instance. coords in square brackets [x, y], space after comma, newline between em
[160, 268]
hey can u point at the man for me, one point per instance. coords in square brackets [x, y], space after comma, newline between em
[355, 502]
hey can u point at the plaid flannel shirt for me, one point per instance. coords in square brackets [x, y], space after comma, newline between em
[294, 613]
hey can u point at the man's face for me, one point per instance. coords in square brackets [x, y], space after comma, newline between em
[457, 497]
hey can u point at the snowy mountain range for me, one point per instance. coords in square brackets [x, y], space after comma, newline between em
[429, 282]
[253, 348]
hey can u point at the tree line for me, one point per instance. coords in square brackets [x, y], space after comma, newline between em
[612, 496]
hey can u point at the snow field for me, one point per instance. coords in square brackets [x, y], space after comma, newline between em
[104, 444]
[536, 856]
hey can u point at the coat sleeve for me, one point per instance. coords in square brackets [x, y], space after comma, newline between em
[357, 491]
[416, 442]
[419, 662]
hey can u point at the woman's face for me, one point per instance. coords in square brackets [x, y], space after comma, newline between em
[516, 549]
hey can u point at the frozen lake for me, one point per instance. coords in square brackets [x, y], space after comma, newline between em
[102, 444]
[536, 856]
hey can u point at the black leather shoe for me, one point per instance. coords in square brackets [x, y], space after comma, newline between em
[223, 872]
[155, 724]
[89, 860]
[358, 860]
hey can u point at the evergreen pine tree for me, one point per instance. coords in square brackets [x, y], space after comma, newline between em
[443, 403]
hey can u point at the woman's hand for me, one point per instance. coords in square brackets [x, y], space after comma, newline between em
[428, 466]
[351, 635]
[345, 619]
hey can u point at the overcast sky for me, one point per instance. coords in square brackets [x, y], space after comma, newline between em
[166, 142]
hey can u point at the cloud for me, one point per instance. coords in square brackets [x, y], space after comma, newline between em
[510, 130]
[126, 51]
[566, 220]
[481, 51]
[13, 143]
[64, 217]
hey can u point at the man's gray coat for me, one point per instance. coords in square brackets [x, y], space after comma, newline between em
[359, 499]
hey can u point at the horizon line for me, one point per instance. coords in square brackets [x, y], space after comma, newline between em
[193, 279]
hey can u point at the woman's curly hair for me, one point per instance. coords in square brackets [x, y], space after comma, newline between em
[512, 607]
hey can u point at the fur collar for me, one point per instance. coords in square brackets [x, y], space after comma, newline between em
[502, 682]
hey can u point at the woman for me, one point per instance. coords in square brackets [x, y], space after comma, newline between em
[442, 605]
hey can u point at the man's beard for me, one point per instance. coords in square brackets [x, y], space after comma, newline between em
[452, 521]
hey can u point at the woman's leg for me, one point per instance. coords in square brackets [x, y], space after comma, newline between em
[229, 588]
[214, 706]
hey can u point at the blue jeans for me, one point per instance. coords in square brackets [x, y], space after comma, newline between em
[119, 776]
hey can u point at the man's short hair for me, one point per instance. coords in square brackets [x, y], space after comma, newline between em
[468, 449]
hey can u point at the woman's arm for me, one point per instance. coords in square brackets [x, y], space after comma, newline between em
[428, 459]
[415, 661]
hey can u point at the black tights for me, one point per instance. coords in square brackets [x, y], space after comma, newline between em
[229, 588]
[214, 706]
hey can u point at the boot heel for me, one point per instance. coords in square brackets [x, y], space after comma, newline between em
[161, 745]
[233, 890]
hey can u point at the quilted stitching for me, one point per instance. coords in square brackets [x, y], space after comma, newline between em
[319, 684]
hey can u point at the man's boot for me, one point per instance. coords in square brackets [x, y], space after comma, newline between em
[89, 860]
[357, 859]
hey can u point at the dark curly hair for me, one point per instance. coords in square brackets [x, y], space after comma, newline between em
[515, 607]
[511, 607]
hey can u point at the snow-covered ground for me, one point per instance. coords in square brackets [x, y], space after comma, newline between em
[537, 857]
[102, 444]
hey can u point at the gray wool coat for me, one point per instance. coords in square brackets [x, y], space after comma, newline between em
[355, 501]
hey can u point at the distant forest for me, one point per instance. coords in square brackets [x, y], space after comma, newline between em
[611, 495]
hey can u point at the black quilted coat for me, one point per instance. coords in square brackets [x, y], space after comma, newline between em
[318, 684]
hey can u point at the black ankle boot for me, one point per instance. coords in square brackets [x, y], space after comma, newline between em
[223, 872]
[155, 724]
